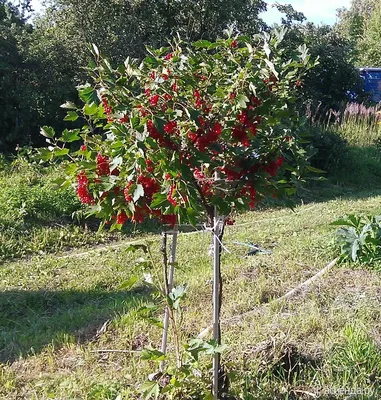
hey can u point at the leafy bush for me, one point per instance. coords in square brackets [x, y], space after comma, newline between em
[362, 167]
[189, 129]
[331, 149]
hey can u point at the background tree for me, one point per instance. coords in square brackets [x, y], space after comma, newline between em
[42, 63]
[333, 80]
[125, 27]
[361, 24]
[15, 110]
[36, 75]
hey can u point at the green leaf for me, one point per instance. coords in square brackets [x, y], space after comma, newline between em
[59, 181]
[342, 221]
[90, 109]
[45, 154]
[249, 47]
[151, 61]
[139, 192]
[290, 191]
[134, 247]
[150, 389]
[212, 347]
[71, 116]
[267, 50]
[95, 48]
[201, 44]
[354, 249]
[152, 355]
[87, 94]
[272, 68]
[317, 170]
[143, 263]
[176, 295]
[159, 198]
[195, 343]
[192, 216]
[47, 131]
[128, 284]
[141, 136]
[242, 100]
[60, 152]
[70, 169]
[116, 162]
[193, 115]
[354, 219]
[69, 136]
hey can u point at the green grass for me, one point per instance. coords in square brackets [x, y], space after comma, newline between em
[59, 309]
[51, 309]
[36, 217]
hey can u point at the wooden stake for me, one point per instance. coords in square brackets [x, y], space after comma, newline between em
[168, 278]
[216, 302]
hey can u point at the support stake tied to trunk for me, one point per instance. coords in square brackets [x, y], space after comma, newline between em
[218, 231]
[168, 285]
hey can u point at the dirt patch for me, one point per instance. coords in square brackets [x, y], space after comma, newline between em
[283, 360]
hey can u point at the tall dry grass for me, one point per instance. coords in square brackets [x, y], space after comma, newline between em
[359, 124]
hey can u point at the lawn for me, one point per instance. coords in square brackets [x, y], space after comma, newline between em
[61, 311]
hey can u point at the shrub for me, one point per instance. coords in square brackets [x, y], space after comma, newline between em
[331, 149]
[191, 128]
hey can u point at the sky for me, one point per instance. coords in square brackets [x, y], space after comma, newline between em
[315, 10]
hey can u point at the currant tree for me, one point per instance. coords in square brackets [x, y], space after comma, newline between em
[190, 128]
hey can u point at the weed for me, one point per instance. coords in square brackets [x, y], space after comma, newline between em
[359, 238]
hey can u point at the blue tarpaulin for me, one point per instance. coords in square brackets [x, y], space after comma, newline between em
[372, 82]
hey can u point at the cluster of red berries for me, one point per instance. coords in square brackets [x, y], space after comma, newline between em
[170, 197]
[150, 185]
[232, 174]
[170, 127]
[83, 193]
[143, 210]
[103, 166]
[198, 101]
[154, 99]
[271, 81]
[203, 138]
[162, 140]
[273, 166]
[107, 108]
[121, 218]
[126, 192]
[249, 191]
[205, 184]
[150, 167]
[247, 124]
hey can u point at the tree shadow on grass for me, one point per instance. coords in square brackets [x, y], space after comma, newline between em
[358, 177]
[30, 320]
